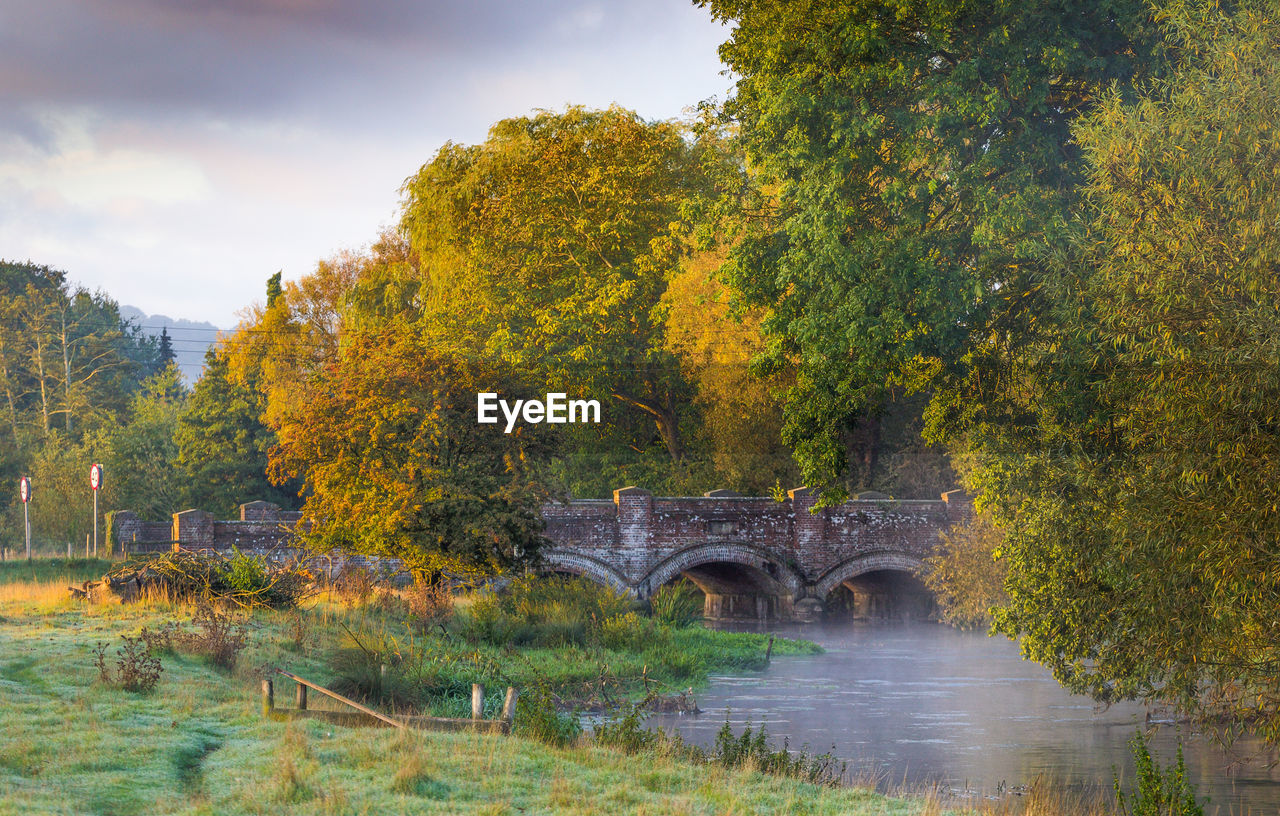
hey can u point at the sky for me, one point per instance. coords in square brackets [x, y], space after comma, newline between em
[177, 153]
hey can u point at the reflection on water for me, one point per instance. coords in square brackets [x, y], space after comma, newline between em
[925, 704]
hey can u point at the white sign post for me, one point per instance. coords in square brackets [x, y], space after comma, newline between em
[95, 482]
[24, 492]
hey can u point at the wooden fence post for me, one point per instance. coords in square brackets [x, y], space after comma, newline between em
[268, 698]
[477, 701]
[302, 697]
[509, 706]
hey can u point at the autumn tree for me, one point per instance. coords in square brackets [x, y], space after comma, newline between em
[548, 247]
[394, 463]
[739, 420]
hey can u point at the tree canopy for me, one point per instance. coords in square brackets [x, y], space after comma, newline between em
[394, 463]
[923, 162]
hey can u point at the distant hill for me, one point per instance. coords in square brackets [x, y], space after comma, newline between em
[190, 338]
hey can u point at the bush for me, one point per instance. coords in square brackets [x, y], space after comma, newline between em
[679, 604]
[247, 574]
[380, 670]
[1160, 792]
[538, 718]
[748, 750]
[218, 637]
[430, 604]
[632, 633]
[546, 611]
[137, 669]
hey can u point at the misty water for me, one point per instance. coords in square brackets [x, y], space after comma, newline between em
[926, 705]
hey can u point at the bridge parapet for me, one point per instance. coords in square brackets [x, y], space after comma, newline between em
[791, 549]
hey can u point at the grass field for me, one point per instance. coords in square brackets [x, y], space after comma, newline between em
[198, 744]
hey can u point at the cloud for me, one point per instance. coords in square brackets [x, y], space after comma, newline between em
[73, 169]
[178, 152]
[273, 57]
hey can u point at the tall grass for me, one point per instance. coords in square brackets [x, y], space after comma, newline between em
[45, 570]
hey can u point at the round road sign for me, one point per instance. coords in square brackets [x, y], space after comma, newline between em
[24, 489]
[95, 477]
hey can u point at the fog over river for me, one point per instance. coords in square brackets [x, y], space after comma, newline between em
[926, 704]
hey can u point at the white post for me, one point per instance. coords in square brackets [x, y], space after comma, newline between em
[26, 525]
[95, 523]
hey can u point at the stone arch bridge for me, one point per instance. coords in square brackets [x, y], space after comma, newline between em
[752, 557]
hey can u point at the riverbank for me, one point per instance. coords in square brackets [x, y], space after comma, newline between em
[198, 743]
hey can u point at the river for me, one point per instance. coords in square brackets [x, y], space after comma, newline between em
[925, 705]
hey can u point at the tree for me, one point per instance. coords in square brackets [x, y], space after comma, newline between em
[165, 355]
[922, 158]
[967, 573]
[69, 367]
[740, 414]
[222, 444]
[549, 247]
[140, 456]
[274, 289]
[394, 463]
[1141, 505]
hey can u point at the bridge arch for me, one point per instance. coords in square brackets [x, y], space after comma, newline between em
[769, 572]
[586, 566]
[861, 564]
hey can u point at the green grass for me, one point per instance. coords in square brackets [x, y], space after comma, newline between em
[199, 745]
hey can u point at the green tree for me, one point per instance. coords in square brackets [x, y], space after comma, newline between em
[922, 158]
[140, 456]
[394, 463]
[222, 444]
[165, 355]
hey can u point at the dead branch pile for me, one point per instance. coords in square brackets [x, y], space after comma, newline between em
[203, 575]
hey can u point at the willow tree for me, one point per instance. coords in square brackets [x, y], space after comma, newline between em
[1142, 537]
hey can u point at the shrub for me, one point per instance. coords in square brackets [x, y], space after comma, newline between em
[1160, 792]
[538, 718]
[548, 611]
[752, 750]
[353, 584]
[429, 603]
[218, 637]
[380, 670]
[627, 733]
[678, 604]
[137, 669]
[247, 574]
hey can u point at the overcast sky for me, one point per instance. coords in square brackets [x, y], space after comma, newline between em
[176, 153]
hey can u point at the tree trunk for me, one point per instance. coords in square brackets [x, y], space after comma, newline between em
[664, 417]
[44, 393]
[66, 370]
